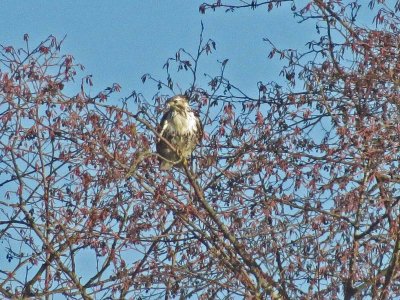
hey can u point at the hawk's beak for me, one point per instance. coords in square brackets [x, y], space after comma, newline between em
[170, 102]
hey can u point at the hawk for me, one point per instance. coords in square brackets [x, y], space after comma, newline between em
[182, 129]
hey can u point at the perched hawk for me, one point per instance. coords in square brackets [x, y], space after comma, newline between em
[182, 129]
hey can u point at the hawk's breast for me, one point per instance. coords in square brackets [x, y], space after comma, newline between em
[183, 123]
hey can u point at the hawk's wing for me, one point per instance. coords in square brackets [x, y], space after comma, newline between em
[161, 147]
[163, 125]
[200, 129]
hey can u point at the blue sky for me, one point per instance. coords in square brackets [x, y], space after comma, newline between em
[119, 41]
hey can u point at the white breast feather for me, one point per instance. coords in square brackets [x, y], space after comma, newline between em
[183, 125]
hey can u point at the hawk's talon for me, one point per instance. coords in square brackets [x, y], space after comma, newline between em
[179, 153]
[185, 162]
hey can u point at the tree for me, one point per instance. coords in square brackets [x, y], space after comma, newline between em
[294, 193]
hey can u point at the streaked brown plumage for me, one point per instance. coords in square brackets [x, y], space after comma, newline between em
[182, 129]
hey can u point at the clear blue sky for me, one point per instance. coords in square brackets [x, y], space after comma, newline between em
[119, 41]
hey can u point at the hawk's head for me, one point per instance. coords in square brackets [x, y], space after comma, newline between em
[178, 102]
